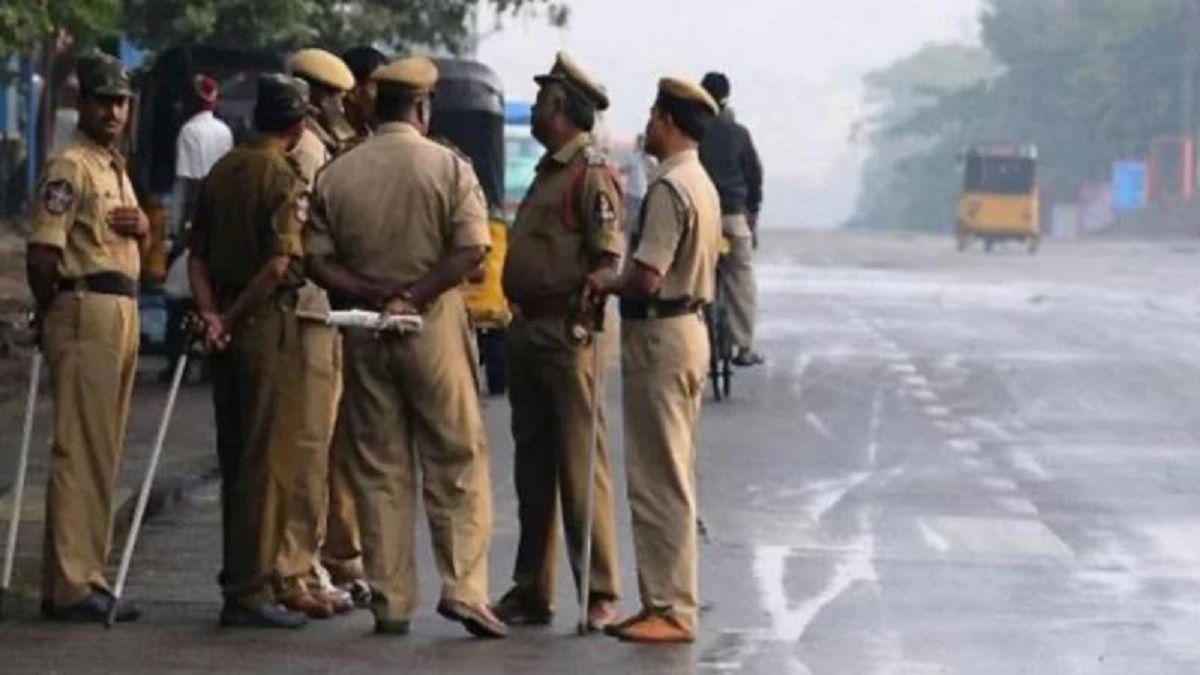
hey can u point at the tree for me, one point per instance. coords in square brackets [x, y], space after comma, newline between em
[1088, 81]
[286, 24]
[26, 25]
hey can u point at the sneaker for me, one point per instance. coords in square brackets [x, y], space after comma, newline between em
[359, 592]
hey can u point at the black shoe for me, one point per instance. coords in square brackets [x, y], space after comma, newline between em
[479, 621]
[516, 609]
[747, 357]
[93, 608]
[391, 626]
[266, 615]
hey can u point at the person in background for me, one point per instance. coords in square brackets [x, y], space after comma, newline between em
[731, 161]
[202, 140]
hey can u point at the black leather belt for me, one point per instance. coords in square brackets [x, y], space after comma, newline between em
[105, 283]
[635, 310]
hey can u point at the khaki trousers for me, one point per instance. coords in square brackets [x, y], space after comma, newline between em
[259, 404]
[738, 282]
[315, 376]
[412, 406]
[663, 366]
[91, 345]
[551, 387]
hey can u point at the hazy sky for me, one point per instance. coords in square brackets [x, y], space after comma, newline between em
[795, 65]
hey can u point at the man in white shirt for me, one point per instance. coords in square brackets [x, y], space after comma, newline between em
[201, 142]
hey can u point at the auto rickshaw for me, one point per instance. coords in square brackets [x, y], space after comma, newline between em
[158, 117]
[468, 113]
[999, 200]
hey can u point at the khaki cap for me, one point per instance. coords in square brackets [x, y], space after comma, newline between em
[103, 75]
[567, 71]
[323, 67]
[686, 90]
[417, 73]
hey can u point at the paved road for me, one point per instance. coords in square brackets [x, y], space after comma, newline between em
[951, 464]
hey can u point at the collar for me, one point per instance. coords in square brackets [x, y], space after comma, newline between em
[203, 115]
[567, 152]
[402, 128]
[108, 153]
[674, 161]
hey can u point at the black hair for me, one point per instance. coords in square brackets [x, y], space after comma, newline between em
[578, 108]
[691, 117]
[394, 103]
[271, 122]
[362, 61]
[717, 86]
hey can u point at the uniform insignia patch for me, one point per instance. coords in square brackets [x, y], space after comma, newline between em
[58, 197]
[301, 207]
[604, 210]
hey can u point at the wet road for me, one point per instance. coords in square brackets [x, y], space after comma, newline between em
[950, 464]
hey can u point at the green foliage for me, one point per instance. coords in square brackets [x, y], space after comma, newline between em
[26, 24]
[276, 24]
[1088, 81]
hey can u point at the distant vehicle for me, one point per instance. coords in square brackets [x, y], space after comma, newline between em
[999, 198]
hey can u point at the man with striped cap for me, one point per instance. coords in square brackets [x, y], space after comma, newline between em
[665, 284]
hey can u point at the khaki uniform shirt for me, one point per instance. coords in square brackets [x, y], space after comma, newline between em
[251, 209]
[679, 233]
[318, 145]
[395, 205]
[547, 256]
[79, 187]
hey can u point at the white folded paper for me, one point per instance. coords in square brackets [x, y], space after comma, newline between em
[361, 318]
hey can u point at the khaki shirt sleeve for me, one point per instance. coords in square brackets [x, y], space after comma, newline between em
[318, 238]
[603, 213]
[468, 210]
[59, 193]
[290, 211]
[664, 223]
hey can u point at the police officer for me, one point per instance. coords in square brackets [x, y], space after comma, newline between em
[341, 551]
[318, 512]
[729, 156]
[245, 259]
[83, 264]
[664, 358]
[568, 226]
[326, 129]
[397, 224]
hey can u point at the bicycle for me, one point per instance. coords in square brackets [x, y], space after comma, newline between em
[720, 335]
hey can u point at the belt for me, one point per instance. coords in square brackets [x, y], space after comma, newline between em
[546, 307]
[635, 310]
[105, 283]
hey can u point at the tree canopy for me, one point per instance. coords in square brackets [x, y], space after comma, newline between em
[1089, 81]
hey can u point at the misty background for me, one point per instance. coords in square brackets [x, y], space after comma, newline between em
[797, 70]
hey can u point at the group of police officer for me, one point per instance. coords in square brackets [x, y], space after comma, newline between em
[324, 438]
